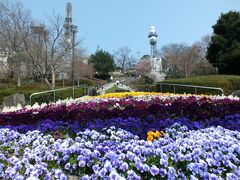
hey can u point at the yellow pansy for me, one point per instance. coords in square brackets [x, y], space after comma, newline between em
[150, 138]
[150, 133]
[154, 135]
[157, 134]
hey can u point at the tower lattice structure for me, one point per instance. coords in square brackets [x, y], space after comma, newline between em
[70, 29]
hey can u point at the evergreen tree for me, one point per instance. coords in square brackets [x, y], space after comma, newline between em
[103, 62]
[224, 49]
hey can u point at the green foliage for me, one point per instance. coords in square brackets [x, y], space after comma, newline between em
[43, 98]
[103, 62]
[4, 80]
[228, 83]
[148, 80]
[62, 94]
[86, 81]
[89, 82]
[6, 92]
[102, 76]
[52, 164]
[73, 159]
[224, 49]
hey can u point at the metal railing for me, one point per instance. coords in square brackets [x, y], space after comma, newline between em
[84, 86]
[191, 86]
[144, 87]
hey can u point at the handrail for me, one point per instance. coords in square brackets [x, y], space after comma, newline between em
[54, 92]
[139, 86]
[193, 86]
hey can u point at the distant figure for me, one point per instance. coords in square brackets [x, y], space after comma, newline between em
[101, 91]
[117, 82]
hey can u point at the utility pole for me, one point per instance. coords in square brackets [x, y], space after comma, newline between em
[74, 31]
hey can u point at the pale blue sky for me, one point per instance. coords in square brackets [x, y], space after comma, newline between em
[116, 23]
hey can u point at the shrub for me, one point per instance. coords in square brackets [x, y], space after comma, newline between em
[86, 81]
[102, 76]
[228, 83]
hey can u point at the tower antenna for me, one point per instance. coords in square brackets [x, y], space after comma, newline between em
[68, 21]
[70, 36]
[153, 41]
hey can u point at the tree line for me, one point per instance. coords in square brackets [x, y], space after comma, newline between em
[38, 50]
[215, 54]
[218, 53]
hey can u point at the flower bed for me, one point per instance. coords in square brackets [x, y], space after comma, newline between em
[207, 154]
[123, 136]
[136, 126]
[171, 106]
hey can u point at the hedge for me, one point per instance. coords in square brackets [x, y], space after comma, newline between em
[228, 83]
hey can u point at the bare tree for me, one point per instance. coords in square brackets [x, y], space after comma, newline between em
[189, 60]
[47, 48]
[143, 67]
[84, 70]
[123, 58]
[14, 29]
[204, 68]
[173, 54]
[131, 64]
[203, 45]
[185, 61]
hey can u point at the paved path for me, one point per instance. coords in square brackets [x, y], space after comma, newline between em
[110, 85]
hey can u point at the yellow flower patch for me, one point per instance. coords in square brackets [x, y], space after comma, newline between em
[127, 94]
[154, 135]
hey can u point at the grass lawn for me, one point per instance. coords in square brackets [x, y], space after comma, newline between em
[27, 90]
[228, 83]
[115, 89]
